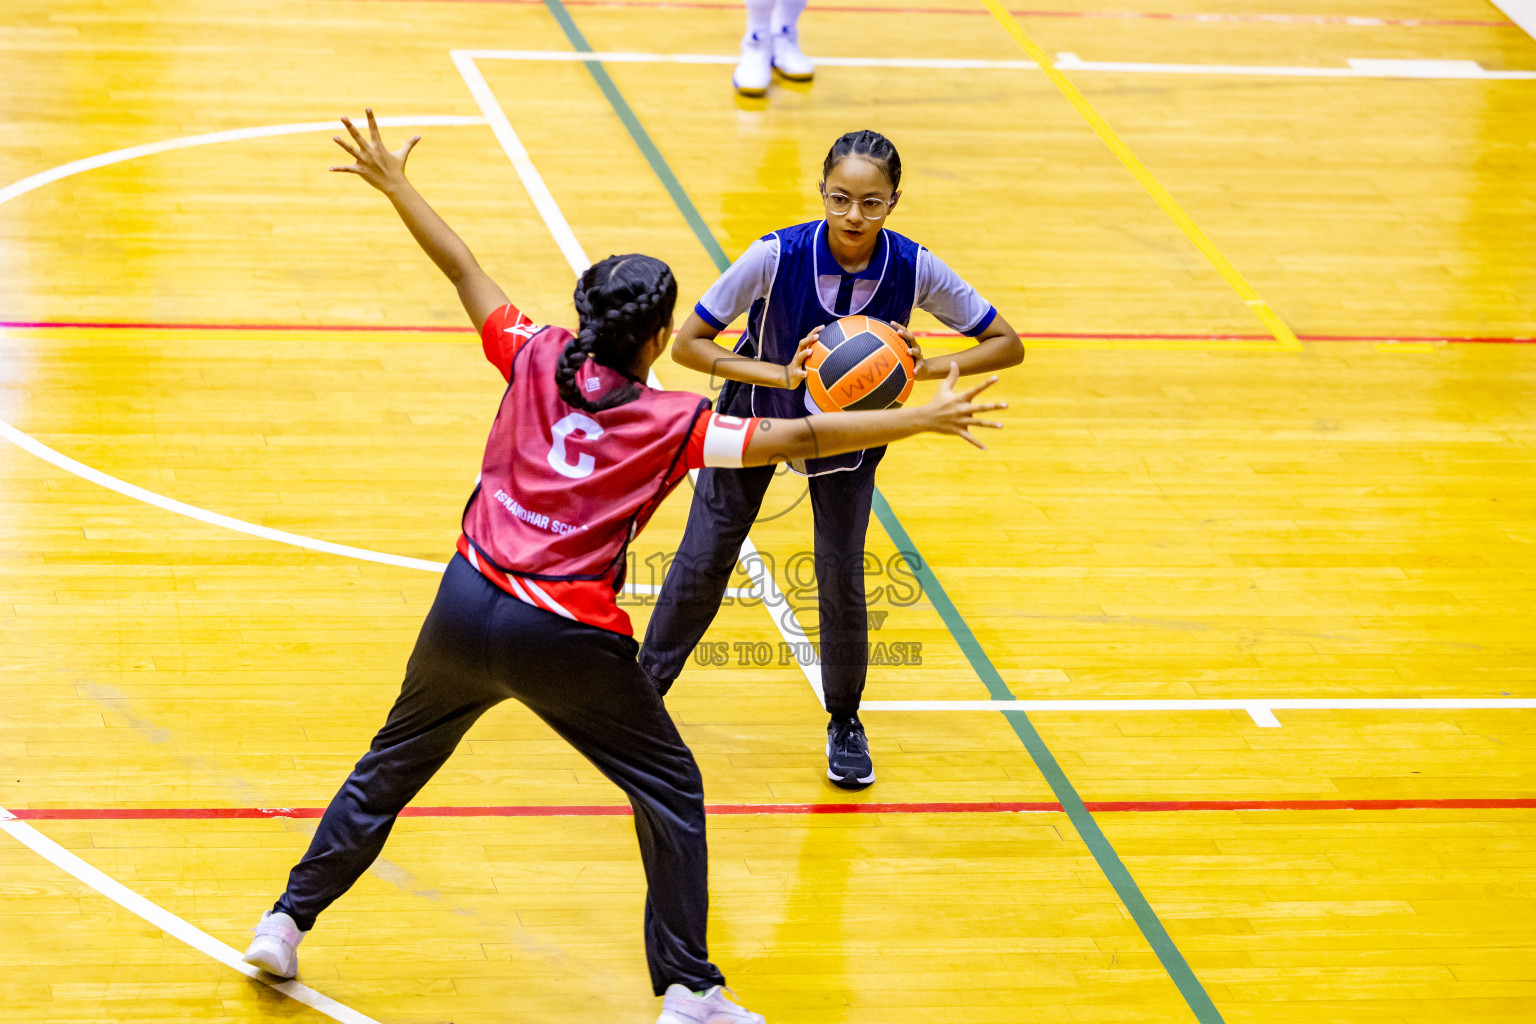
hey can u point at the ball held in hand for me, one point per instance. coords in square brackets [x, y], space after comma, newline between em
[859, 364]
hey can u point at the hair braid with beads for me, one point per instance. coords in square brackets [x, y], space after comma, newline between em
[621, 302]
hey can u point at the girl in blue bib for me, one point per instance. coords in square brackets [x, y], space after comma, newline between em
[790, 283]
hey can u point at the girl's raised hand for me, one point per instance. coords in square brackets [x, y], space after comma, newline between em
[376, 164]
[953, 413]
[794, 373]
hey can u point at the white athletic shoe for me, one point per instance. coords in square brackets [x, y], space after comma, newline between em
[788, 59]
[756, 68]
[683, 1007]
[275, 949]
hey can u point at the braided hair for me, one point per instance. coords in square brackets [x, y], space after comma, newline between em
[622, 302]
[872, 146]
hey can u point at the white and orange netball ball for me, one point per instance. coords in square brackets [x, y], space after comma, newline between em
[859, 364]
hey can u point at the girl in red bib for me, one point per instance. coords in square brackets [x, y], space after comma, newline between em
[580, 455]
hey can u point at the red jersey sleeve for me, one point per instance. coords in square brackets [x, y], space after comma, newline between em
[719, 441]
[503, 335]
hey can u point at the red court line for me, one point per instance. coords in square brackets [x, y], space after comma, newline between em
[131, 326]
[622, 810]
[1073, 335]
[1356, 21]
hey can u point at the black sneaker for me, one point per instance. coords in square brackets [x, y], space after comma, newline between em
[848, 763]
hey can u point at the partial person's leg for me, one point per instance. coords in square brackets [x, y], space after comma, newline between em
[725, 504]
[840, 503]
[584, 682]
[787, 56]
[447, 687]
[755, 70]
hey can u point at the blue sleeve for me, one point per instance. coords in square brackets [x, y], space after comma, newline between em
[708, 317]
[743, 283]
[952, 301]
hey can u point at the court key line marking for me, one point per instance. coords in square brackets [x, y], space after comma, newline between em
[169, 922]
[929, 807]
[1358, 67]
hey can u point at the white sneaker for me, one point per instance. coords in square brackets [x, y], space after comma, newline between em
[683, 1007]
[756, 68]
[275, 949]
[788, 59]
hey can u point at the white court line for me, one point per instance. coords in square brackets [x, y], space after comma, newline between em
[1262, 711]
[169, 922]
[80, 469]
[532, 181]
[30, 444]
[117, 156]
[1357, 67]
[763, 581]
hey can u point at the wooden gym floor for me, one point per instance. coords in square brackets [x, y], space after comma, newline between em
[212, 339]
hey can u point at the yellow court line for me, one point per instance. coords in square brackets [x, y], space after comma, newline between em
[1287, 341]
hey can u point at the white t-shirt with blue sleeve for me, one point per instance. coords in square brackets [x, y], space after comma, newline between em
[940, 291]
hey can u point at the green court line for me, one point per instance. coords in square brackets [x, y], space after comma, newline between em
[642, 138]
[1109, 862]
[1066, 794]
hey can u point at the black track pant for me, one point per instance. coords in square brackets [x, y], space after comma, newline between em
[478, 647]
[725, 505]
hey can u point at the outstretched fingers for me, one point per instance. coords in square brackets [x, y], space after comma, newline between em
[373, 126]
[343, 144]
[357, 136]
[967, 435]
[978, 389]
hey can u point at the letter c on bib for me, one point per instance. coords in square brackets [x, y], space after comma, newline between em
[575, 423]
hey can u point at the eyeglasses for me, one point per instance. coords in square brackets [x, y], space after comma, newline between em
[873, 208]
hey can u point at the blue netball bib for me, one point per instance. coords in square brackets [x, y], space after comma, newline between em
[794, 307]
